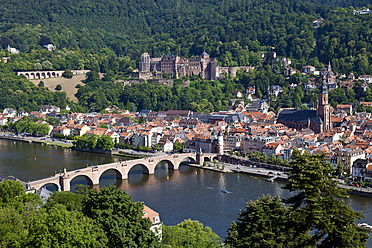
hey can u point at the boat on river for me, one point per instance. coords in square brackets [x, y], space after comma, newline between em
[271, 179]
[366, 226]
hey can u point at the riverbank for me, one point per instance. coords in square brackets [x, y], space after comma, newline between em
[36, 140]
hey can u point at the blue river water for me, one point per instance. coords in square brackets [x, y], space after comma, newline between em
[177, 195]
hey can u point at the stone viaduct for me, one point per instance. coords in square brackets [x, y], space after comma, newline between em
[93, 173]
[47, 74]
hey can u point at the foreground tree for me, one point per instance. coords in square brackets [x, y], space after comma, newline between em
[62, 228]
[72, 201]
[12, 228]
[121, 219]
[190, 233]
[316, 215]
[264, 223]
[13, 194]
[318, 206]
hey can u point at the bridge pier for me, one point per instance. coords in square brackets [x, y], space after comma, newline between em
[65, 184]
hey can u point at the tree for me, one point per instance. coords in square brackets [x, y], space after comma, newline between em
[279, 160]
[45, 41]
[12, 228]
[190, 233]
[177, 146]
[58, 87]
[41, 84]
[272, 159]
[5, 42]
[105, 142]
[72, 201]
[14, 194]
[263, 223]
[47, 65]
[120, 218]
[62, 228]
[359, 108]
[265, 158]
[37, 67]
[156, 147]
[67, 74]
[318, 206]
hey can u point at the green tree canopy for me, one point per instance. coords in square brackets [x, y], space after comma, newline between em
[120, 217]
[62, 228]
[264, 223]
[190, 233]
[14, 194]
[105, 142]
[12, 228]
[318, 205]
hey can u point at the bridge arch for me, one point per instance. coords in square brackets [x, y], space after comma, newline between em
[58, 187]
[171, 165]
[187, 159]
[145, 169]
[89, 180]
[118, 174]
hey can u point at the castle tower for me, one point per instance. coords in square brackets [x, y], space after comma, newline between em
[204, 63]
[324, 108]
[144, 64]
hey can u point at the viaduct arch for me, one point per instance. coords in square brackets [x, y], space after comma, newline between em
[47, 74]
[122, 168]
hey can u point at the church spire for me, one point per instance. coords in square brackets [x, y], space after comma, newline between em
[324, 88]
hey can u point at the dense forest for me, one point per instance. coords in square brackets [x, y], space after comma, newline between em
[228, 29]
[108, 37]
[343, 3]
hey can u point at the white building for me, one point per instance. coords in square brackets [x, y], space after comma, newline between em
[271, 149]
[156, 223]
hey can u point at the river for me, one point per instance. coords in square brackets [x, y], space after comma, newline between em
[177, 195]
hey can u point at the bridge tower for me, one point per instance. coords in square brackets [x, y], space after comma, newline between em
[199, 157]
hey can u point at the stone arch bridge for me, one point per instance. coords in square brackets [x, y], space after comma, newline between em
[47, 74]
[93, 173]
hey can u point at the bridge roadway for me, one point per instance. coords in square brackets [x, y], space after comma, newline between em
[93, 173]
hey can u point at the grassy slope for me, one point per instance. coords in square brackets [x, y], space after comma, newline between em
[68, 85]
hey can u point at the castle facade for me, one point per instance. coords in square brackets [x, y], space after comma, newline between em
[176, 67]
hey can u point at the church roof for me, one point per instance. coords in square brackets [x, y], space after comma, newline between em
[294, 115]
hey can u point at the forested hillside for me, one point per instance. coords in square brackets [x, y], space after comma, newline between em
[108, 37]
[343, 3]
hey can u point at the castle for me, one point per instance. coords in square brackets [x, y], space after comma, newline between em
[176, 67]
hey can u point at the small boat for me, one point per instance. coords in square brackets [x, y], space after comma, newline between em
[225, 191]
[271, 179]
[366, 226]
[209, 187]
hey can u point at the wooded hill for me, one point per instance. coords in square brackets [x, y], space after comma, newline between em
[228, 29]
[108, 36]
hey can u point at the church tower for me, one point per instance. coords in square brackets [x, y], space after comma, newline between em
[324, 108]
